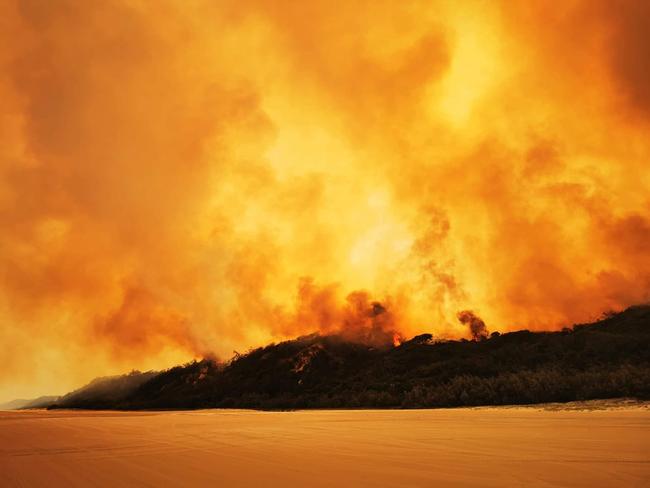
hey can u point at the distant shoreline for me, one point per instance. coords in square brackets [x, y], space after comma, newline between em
[576, 406]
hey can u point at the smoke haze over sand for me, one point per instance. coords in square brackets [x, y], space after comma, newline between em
[188, 178]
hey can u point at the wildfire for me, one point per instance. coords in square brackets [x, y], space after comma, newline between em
[180, 179]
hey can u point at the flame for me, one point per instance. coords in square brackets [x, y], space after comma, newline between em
[186, 179]
[397, 340]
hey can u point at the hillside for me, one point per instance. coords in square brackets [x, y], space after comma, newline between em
[20, 404]
[606, 359]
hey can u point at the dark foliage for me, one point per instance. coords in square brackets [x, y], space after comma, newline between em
[607, 359]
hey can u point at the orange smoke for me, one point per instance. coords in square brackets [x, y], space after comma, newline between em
[188, 178]
[476, 326]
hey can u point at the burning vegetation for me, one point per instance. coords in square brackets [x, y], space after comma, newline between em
[607, 359]
[475, 325]
[184, 178]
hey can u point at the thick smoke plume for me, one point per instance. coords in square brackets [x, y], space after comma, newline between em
[188, 178]
[476, 326]
[358, 318]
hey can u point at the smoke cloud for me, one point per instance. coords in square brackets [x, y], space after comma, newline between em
[180, 179]
[476, 326]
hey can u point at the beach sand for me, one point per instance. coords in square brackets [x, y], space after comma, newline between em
[576, 445]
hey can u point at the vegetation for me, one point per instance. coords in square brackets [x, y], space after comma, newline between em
[607, 359]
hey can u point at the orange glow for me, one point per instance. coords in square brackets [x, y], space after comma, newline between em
[180, 179]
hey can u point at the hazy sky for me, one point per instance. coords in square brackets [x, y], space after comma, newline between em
[181, 178]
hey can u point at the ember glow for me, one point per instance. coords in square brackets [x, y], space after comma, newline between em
[180, 179]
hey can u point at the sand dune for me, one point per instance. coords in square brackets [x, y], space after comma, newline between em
[498, 447]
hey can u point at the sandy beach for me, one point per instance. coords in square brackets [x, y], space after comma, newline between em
[573, 446]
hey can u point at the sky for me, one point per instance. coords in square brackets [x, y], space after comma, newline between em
[181, 179]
